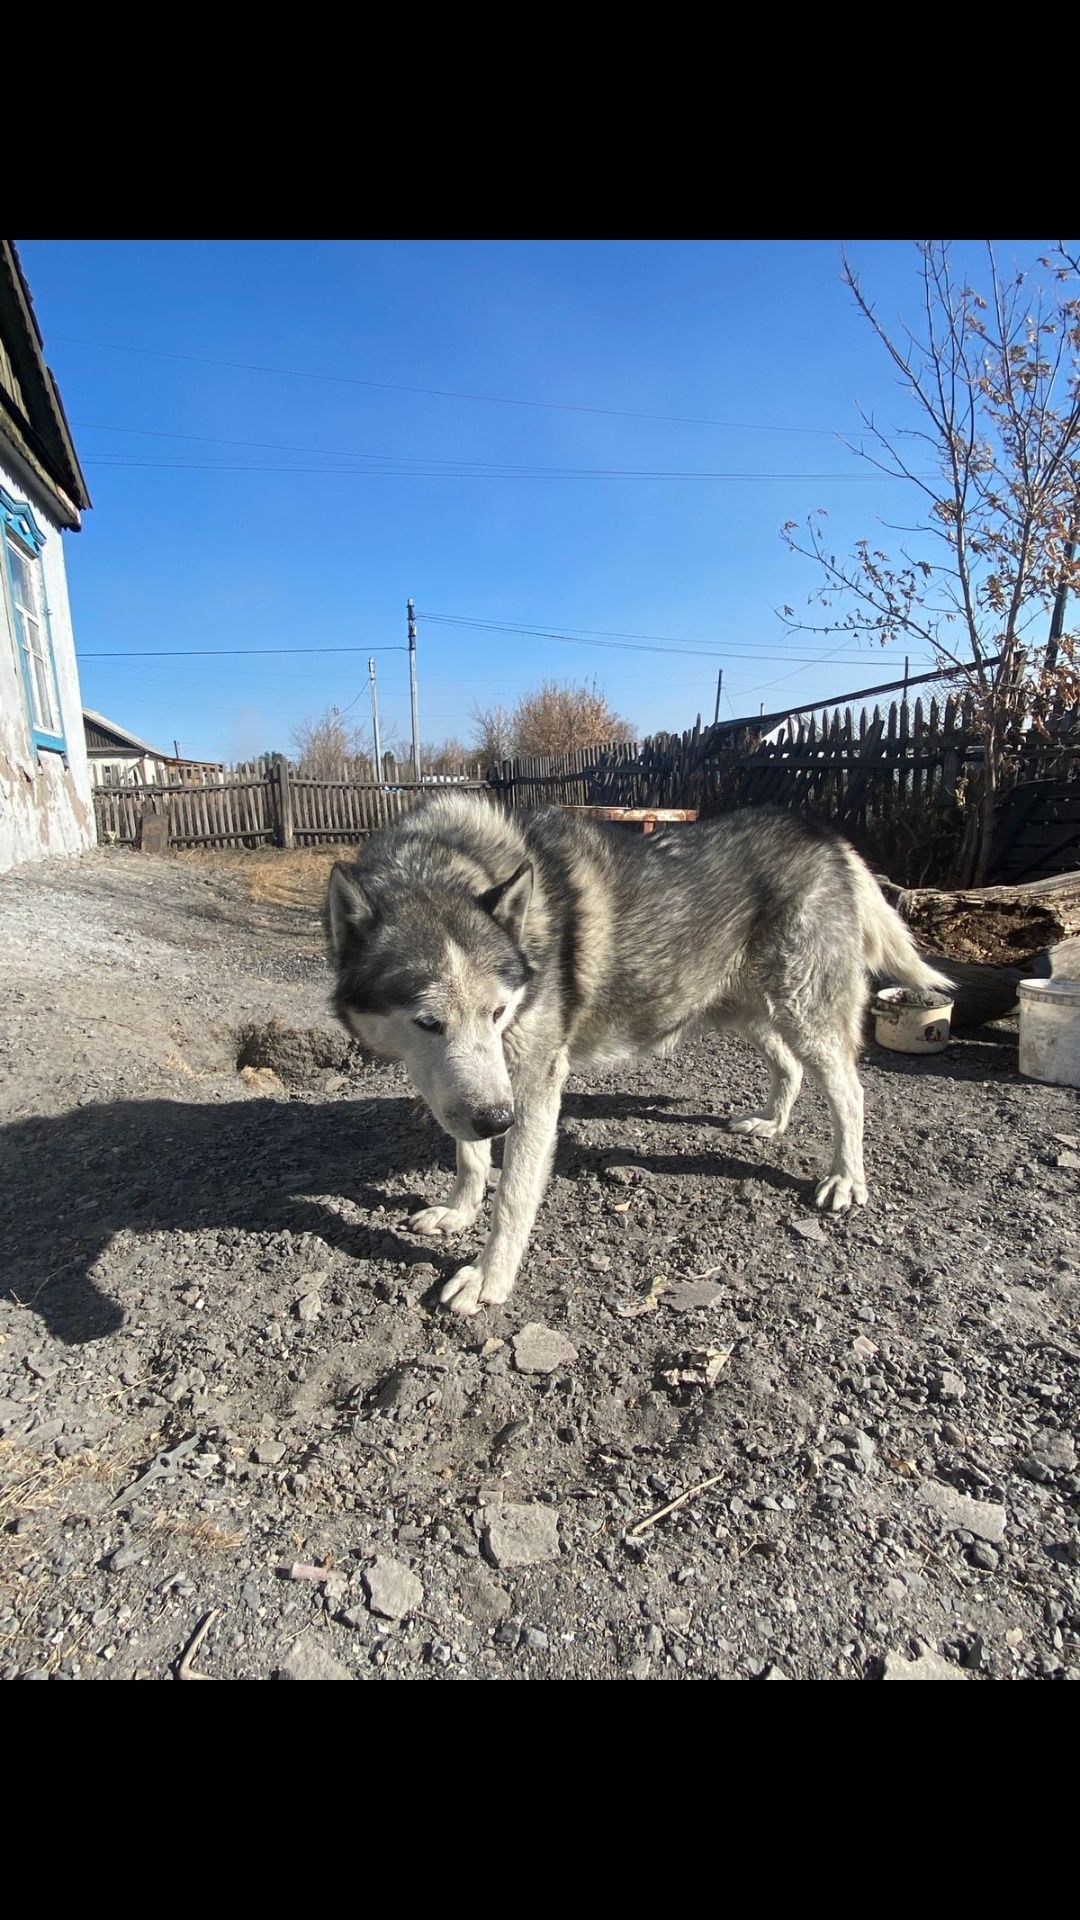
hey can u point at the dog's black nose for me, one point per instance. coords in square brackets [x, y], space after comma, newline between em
[489, 1121]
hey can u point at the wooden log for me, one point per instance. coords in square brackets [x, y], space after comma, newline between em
[1001, 926]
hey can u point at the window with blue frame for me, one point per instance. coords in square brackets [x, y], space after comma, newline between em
[24, 592]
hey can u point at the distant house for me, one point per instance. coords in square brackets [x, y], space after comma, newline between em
[45, 802]
[118, 758]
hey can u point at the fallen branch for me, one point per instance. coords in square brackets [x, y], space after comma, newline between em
[185, 1670]
[650, 1520]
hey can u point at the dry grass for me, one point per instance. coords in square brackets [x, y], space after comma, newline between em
[204, 1533]
[35, 1482]
[269, 877]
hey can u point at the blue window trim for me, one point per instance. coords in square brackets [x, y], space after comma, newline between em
[16, 516]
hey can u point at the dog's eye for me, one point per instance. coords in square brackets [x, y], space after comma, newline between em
[498, 1014]
[427, 1025]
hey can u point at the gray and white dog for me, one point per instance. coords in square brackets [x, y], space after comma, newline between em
[493, 953]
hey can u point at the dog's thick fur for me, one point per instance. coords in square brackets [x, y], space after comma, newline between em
[492, 953]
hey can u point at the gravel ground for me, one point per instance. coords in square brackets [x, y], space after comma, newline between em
[873, 1418]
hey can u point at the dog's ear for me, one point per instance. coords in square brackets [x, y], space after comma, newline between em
[508, 903]
[349, 912]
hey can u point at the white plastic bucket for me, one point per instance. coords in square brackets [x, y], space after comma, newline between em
[1050, 1031]
[912, 1020]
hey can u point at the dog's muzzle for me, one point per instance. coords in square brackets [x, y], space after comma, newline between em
[489, 1122]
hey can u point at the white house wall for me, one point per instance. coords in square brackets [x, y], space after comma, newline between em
[45, 808]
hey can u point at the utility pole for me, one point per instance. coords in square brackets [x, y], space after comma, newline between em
[719, 684]
[1057, 622]
[375, 723]
[412, 693]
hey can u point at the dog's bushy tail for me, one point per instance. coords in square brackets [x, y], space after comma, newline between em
[887, 942]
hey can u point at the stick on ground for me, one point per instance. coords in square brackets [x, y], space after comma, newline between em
[185, 1671]
[650, 1520]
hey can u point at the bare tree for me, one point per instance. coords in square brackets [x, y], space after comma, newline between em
[493, 733]
[327, 747]
[993, 463]
[448, 756]
[558, 718]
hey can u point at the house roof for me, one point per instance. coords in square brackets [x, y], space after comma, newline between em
[32, 419]
[104, 736]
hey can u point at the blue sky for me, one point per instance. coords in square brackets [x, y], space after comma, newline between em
[316, 536]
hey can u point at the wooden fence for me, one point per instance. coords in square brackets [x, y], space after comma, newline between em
[898, 782]
[237, 811]
[261, 803]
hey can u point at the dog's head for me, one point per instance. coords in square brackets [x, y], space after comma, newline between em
[434, 977]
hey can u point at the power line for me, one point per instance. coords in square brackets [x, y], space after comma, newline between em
[617, 642]
[426, 469]
[222, 653]
[438, 393]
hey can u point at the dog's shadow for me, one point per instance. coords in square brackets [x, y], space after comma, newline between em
[73, 1181]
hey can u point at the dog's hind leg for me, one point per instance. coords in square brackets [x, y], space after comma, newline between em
[467, 1198]
[530, 1149]
[785, 1073]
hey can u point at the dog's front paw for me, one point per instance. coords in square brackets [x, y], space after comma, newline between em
[446, 1221]
[837, 1192]
[494, 1292]
[760, 1124]
[462, 1292]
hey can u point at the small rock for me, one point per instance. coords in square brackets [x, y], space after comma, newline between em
[700, 1367]
[1057, 1451]
[949, 1386]
[810, 1230]
[268, 1452]
[863, 1347]
[1069, 1160]
[308, 1307]
[985, 1556]
[392, 1590]
[599, 1263]
[536, 1638]
[482, 1598]
[688, 1296]
[522, 1536]
[309, 1659]
[983, 1518]
[539, 1349]
[929, 1666]
[311, 1282]
[862, 1450]
[123, 1557]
